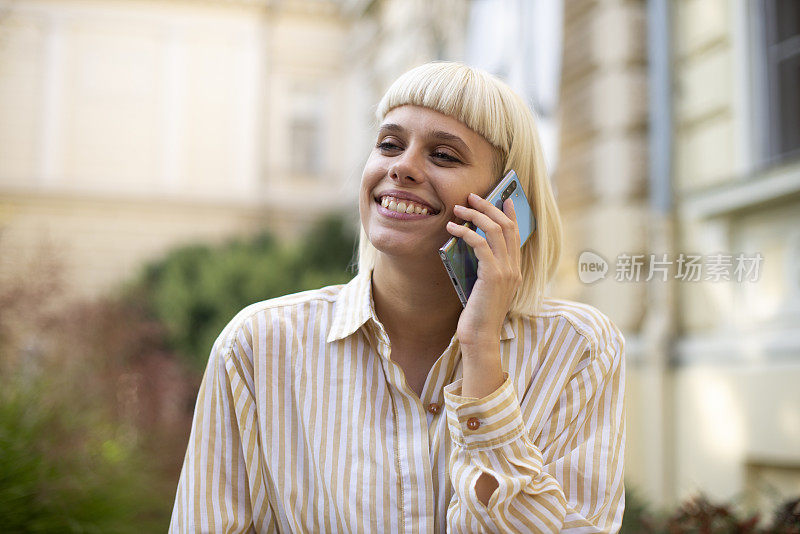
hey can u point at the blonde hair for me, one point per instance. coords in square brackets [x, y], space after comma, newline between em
[491, 108]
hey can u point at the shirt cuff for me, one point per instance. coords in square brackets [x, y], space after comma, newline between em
[485, 423]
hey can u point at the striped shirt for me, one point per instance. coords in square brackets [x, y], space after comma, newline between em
[303, 423]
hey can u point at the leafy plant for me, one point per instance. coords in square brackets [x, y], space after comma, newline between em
[61, 471]
[638, 517]
[197, 289]
[75, 439]
[699, 515]
[787, 518]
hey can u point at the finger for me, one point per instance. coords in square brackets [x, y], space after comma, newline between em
[489, 265]
[481, 247]
[508, 224]
[494, 233]
[511, 212]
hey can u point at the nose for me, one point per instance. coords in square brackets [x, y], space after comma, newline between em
[407, 167]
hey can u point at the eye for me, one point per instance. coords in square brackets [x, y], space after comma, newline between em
[387, 145]
[445, 156]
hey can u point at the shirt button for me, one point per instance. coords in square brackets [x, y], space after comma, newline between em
[434, 408]
[473, 423]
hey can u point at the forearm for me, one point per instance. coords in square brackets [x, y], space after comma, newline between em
[482, 375]
[482, 369]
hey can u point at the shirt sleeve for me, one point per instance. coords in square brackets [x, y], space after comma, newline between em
[221, 471]
[576, 485]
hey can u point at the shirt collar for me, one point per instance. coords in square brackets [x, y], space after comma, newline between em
[354, 307]
[507, 332]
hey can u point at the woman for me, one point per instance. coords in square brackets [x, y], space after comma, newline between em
[383, 405]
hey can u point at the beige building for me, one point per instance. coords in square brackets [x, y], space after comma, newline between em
[705, 165]
[129, 127]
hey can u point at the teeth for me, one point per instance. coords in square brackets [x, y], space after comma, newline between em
[402, 206]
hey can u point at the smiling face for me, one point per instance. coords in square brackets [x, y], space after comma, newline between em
[423, 164]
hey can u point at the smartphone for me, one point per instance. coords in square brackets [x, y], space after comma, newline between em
[459, 258]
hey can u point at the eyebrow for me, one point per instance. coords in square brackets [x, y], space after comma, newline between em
[436, 134]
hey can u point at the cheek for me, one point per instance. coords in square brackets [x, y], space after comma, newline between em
[371, 175]
[455, 195]
[369, 179]
[364, 197]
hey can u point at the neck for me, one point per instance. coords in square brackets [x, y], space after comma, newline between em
[415, 300]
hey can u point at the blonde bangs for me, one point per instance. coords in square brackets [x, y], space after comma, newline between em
[455, 90]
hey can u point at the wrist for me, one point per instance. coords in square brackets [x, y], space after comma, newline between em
[482, 371]
[481, 348]
[487, 338]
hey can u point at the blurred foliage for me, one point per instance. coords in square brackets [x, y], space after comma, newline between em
[63, 470]
[197, 289]
[699, 515]
[94, 413]
[638, 517]
[96, 406]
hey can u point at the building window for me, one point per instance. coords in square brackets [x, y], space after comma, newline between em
[305, 146]
[781, 34]
[306, 124]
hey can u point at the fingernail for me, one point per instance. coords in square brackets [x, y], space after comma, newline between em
[473, 196]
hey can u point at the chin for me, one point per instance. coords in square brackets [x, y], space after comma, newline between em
[392, 241]
[403, 248]
[392, 246]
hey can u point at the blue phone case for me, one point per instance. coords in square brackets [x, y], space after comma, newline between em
[459, 258]
[509, 187]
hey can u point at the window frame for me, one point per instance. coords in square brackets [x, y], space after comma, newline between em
[765, 90]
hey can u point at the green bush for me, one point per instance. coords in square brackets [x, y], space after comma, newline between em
[72, 455]
[61, 471]
[638, 517]
[197, 289]
[90, 440]
[69, 461]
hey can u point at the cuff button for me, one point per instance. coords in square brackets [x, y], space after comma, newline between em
[473, 423]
